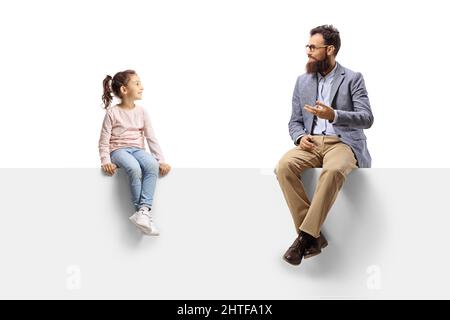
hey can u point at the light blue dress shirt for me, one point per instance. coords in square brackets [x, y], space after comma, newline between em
[323, 126]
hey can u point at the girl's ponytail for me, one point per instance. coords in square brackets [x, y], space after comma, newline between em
[107, 92]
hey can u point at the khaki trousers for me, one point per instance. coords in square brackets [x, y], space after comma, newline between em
[336, 159]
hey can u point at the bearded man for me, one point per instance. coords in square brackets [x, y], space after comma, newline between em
[330, 109]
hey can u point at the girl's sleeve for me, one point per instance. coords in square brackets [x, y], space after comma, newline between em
[151, 139]
[105, 136]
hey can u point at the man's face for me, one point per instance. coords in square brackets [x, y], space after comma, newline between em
[318, 61]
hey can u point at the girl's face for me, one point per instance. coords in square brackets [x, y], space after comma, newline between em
[134, 88]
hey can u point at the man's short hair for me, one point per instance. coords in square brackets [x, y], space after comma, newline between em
[330, 35]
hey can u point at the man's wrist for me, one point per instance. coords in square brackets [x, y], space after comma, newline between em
[297, 141]
[334, 118]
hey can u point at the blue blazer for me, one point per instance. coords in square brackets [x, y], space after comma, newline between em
[351, 102]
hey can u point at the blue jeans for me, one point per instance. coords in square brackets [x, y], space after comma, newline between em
[142, 170]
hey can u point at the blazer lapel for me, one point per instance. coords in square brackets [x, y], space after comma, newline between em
[338, 78]
[309, 96]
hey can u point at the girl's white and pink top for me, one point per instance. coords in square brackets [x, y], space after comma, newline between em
[127, 128]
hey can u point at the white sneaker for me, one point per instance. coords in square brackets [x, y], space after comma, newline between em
[153, 229]
[133, 219]
[143, 219]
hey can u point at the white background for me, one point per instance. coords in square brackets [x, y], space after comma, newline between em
[218, 76]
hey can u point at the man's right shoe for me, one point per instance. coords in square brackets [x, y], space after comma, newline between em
[295, 252]
[316, 247]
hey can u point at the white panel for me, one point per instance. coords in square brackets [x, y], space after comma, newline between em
[64, 233]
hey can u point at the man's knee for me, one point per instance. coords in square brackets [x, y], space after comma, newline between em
[286, 166]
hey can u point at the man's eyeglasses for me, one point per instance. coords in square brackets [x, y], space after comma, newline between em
[311, 47]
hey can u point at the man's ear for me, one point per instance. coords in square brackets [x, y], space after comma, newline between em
[330, 50]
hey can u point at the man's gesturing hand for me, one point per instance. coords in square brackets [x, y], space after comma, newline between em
[321, 110]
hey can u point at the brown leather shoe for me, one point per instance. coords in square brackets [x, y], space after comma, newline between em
[316, 247]
[295, 252]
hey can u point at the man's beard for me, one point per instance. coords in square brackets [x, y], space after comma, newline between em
[318, 66]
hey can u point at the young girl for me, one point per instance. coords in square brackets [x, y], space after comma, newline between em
[122, 145]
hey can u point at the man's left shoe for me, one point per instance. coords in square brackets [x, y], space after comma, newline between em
[316, 247]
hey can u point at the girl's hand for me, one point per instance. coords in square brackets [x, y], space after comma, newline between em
[109, 168]
[164, 169]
